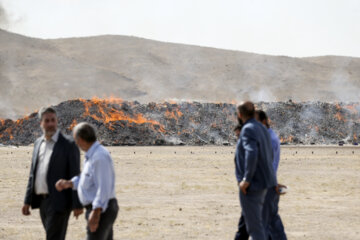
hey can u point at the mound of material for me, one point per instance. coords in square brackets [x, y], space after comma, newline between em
[131, 123]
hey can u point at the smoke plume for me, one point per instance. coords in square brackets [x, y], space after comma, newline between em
[3, 18]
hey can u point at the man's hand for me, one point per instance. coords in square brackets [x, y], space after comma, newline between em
[62, 184]
[26, 210]
[244, 186]
[78, 212]
[94, 219]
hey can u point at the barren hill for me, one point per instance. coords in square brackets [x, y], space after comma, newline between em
[37, 72]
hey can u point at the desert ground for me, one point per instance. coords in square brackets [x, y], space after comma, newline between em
[191, 193]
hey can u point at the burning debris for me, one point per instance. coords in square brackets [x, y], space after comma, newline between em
[131, 123]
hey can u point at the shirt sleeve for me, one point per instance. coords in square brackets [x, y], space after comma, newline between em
[75, 180]
[103, 182]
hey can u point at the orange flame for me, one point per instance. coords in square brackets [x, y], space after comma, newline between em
[172, 102]
[179, 113]
[73, 124]
[116, 100]
[9, 133]
[340, 117]
[338, 107]
[169, 114]
[355, 137]
[233, 102]
[352, 109]
[288, 139]
[108, 114]
[174, 114]
[21, 121]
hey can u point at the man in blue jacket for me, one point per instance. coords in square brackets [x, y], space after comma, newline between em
[254, 170]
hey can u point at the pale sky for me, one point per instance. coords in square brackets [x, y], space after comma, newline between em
[296, 28]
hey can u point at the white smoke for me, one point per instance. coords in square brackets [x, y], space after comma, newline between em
[7, 110]
[344, 89]
[3, 18]
[174, 140]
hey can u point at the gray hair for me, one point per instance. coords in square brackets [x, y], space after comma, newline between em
[85, 131]
[45, 110]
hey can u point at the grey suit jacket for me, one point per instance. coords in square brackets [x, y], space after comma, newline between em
[254, 156]
[64, 163]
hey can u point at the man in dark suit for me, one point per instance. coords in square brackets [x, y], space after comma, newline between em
[241, 234]
[254, 171]
[55, 156]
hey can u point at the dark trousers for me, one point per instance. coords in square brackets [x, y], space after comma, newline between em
[55, 223]
[274, 226]
[242, 233]
[107, 219]
[252, 208]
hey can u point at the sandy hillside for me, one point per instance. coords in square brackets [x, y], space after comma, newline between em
[190, 193]
[36, 72]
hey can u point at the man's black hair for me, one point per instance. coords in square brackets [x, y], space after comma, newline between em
[247, 109]
[261, 116]
[238, 128]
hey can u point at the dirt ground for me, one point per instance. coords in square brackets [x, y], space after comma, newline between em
[191, 193]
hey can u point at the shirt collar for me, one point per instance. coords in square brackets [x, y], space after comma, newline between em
[54, 137]
[91, 150]
[249, 120]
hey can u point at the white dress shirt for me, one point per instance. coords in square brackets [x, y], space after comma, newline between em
[96, 183]
[45, 152]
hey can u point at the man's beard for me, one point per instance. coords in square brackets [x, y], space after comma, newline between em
[49, 132]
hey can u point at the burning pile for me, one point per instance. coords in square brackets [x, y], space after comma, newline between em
[131, 123]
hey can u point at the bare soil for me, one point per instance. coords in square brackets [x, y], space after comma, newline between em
[191, 193]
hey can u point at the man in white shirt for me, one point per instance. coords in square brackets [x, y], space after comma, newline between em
[55, 156]
[95, 185]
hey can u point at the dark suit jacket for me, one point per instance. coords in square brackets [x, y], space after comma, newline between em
[254, 156]
[64, 163]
